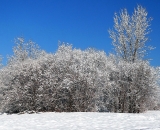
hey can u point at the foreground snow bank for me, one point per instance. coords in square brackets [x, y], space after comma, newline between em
[81, 121]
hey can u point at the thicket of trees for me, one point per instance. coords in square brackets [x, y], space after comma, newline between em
[72, 80]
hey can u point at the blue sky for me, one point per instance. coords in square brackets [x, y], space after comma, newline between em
[82, 23]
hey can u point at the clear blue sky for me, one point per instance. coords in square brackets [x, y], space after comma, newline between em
[83, 23]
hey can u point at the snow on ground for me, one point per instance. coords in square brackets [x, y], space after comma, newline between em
[81, 121]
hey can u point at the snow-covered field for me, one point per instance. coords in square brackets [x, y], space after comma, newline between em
[81, 121]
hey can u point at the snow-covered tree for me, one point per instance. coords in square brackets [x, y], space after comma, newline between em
[134, 81]
[134, 87]
[69, 80]
[130, 34]
[72, 80]
[17, 76]
[24, 50]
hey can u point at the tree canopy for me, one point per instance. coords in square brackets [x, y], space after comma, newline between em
[130, 34]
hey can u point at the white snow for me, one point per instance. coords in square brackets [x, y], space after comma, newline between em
[81, 121]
